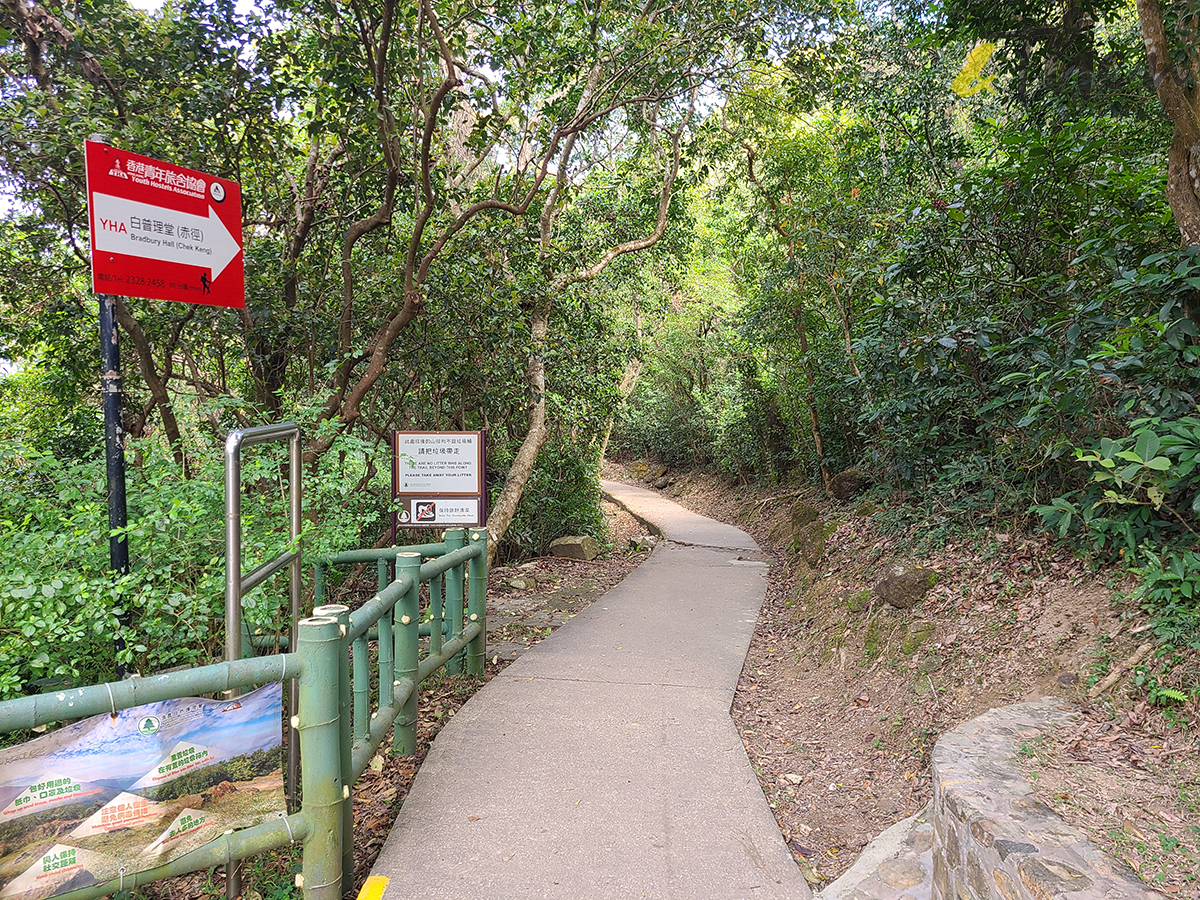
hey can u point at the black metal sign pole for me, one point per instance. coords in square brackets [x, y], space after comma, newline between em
[114, 450]
[114, 446]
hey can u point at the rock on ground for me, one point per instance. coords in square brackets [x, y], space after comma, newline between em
[845, 485]
[577, 546]
[904, 586]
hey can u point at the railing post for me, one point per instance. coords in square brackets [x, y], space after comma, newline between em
[452, 601]
[477, 602]
[321, 647]
[436, 616]
[386, 647]
[361, 683]
[318, 583]
[381, 574]
[341, 613]
[408, 629]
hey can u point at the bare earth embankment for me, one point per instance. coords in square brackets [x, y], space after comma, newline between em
[843, 694]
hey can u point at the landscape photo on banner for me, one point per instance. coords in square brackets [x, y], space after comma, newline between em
[109, 796]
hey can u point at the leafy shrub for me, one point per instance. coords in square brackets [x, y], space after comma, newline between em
[58, 595]
[1170, 592]
[664, 420]
[44, 405]
[1144, 487]
[1143, 503]
[562, 497]
[54, 596]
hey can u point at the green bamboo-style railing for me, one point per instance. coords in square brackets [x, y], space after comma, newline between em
[340, 731]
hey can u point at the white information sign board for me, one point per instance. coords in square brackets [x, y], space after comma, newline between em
[440, 512]
[438, 478]
[443, 463]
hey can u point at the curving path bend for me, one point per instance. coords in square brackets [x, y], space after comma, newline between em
[603, 763]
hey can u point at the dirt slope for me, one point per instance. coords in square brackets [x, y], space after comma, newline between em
[843, 695]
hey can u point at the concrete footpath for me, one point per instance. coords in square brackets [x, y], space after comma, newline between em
[603, 762]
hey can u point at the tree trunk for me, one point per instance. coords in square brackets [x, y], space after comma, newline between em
[1183, 190]
[1180, 103]
[811, 397]
[271, 349]
[156, 383]
[1178, 88]
[801, 331]
[629, 380]
[344, 406]
[505, 507]
[844, 315]
[851, 356]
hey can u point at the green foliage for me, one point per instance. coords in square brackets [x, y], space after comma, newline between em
[44, 407]
[1170, 592]
[681, 398]
[1166, 696]
[982, 301]
[57, 594]
[391, 280]
[561, 498]
[51, 529]
[959, 332]
[1052, 52]
[654, 425]
[996, 343]
[1144, 490]
[1155, 466]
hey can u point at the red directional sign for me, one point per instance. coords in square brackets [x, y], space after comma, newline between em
[162, 231]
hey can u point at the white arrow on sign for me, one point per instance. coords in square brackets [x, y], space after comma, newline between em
[155, 232]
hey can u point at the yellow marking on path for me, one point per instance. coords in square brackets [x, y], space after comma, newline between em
[373, 888]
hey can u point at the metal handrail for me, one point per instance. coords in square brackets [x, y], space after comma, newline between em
[239, 583]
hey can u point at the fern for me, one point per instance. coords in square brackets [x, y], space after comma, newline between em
[1166, 696]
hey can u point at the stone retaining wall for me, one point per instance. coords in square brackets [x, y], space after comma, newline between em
[992, 839]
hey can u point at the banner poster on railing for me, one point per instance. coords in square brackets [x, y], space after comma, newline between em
[112, 795]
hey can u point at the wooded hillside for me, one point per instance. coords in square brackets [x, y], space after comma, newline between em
[951, 247]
